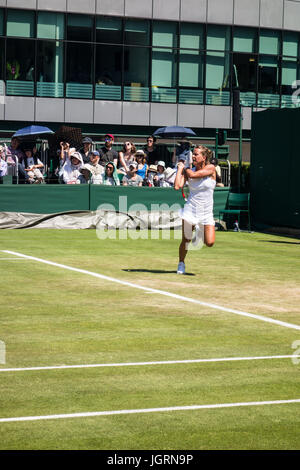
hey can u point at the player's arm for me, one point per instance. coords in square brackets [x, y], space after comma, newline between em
[180, 176]
[208, 170]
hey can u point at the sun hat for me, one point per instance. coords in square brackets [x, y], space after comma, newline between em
[161, 163]
[153, 169]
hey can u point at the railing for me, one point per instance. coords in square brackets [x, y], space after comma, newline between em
[163, 95]
[19, 88]
[290, 101]
[190, 96]
[79, 90]
[248, 98]
[52, 90]
[218, 97]
[136, 93]
[268, 101]
[108, 92]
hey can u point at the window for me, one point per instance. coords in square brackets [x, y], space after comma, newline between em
[164, 34]
[218, 38]
[244, 40]
[109, 30]
[244, 71]
[50, 69]
[190, 69]
[191, 36]
[79, 28]
[136, 70]
[1, 23]
[217, 70]
[268, 75]
[20, 60]
[50, 25]
[269, 42]
[79, 63]
[109, 64]
[290, 44]
[137, 32]
[20, 23]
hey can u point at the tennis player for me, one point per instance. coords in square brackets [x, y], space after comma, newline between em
[198, 210]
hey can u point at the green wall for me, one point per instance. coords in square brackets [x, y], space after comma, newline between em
[50, 199]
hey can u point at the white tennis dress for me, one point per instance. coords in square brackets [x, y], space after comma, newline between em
[199, 207]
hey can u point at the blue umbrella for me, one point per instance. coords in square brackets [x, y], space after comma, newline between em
[174, 131]
[32, 131]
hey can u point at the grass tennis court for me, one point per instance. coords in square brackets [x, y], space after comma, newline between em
[53, 317]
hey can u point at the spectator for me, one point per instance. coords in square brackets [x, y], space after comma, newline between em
[170, 174]
[126, 156]
[95, 168]
[64, 153]
[85, 175]
[183, 153]
[110, 176]
[215, 162]
[70, 170]
[160, 176]
[3, 164]
[86, 150]
[152, 171]
[107, 154]
[151, 151]
[13, 151]
[142, 166]
[132, 179]
[31, 167]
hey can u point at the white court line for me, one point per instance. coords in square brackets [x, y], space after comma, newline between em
[13, 259]
[150, 363]
[157, 291]
[146, 410]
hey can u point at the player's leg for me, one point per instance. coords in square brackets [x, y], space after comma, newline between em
[209, 235]
[187, 233]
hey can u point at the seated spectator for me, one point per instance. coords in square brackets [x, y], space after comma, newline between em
[126, 156]
[70, 170]
[85, 175]
[163, 179]
[152, 172]
[215, 162]
[183, 153]
[86, 150]
[31, 167]
[142, 166]
[13, 151]
[95, 168]
[3, 164]
[132, 179]
[107, 154]
[151, 151]
[64, 153]
[110, 176]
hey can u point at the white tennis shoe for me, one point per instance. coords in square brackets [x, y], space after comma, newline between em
[181, 268]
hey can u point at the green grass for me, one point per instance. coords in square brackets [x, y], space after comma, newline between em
[51, 316]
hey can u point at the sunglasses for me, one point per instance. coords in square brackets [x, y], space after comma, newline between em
[110, 168]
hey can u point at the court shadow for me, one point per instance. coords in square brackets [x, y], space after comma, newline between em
[155, 271]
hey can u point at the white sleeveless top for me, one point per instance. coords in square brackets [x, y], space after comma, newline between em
[199, 207]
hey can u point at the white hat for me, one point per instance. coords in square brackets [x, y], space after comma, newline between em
[161, 163]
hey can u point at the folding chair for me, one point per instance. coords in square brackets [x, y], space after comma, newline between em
[237, 204]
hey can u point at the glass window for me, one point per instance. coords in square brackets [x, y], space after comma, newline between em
[109, 30]
[137, 32]
[1, 22]
[20, 23]
[290, 44]
[244, 71]
[164, 34]
[268, 74]
[79, 27]
[163, 67]
[269, 42]
[50, 25]
[190, 69]
[244, 40]
[218, 38]
[289, 75]
[2, 49]
[191, 36]
[109, 63]
[217, 70]
[50, 61]
[79, 63]
[19, 59]
[136, 66]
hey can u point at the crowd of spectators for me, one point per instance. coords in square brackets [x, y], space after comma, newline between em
[105, 165]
